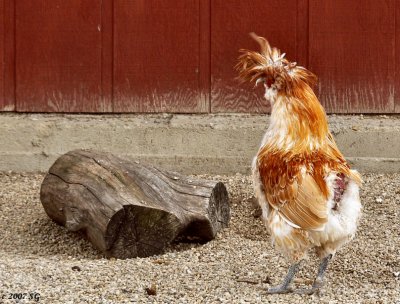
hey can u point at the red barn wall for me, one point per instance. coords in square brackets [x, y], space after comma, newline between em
[178, 56]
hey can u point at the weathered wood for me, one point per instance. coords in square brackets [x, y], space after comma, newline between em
[340, 36]
[159, 68]
[59, 49]
[128, 209]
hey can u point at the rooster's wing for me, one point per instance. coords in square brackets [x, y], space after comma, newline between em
[299, 201]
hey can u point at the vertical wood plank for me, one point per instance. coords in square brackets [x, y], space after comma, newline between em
[302, 32]
[107, 48]
[231, 21]
[157, 56]
[397, 56]
[352, 51]
[2, 23]
[8, 55]
[59, 56]
[205, 53]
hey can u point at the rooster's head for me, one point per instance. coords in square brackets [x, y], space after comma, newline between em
[270, 67]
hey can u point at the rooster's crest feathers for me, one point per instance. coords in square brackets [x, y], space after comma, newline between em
[271, 64]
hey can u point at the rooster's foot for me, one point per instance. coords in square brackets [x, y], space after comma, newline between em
[285, 287]
[280, 289]
[319, 281]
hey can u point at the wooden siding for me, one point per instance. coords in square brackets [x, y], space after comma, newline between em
[7, 54]
[2, 72]
[158, 56]
[397, 58]
[59, 56]
[351, 49]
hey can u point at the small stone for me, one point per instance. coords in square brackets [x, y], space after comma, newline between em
[152, 290]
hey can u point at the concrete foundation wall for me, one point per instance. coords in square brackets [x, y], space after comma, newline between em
[217, 144]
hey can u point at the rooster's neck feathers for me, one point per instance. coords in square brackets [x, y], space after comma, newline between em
[298, 125]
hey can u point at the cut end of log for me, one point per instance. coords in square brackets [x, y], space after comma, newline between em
[127, 209]
[218, 216]
[144, 232]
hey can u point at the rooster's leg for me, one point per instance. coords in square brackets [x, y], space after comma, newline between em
[285, 286]
[319, 280]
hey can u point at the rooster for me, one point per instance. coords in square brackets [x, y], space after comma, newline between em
[307, 192]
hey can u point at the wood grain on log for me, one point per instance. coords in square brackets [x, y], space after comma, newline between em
[128, 209]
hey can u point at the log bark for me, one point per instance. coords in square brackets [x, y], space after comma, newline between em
[128, 209]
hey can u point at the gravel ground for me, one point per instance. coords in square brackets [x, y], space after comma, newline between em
[38, 256]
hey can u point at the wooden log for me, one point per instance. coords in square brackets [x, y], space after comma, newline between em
[128, 209]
